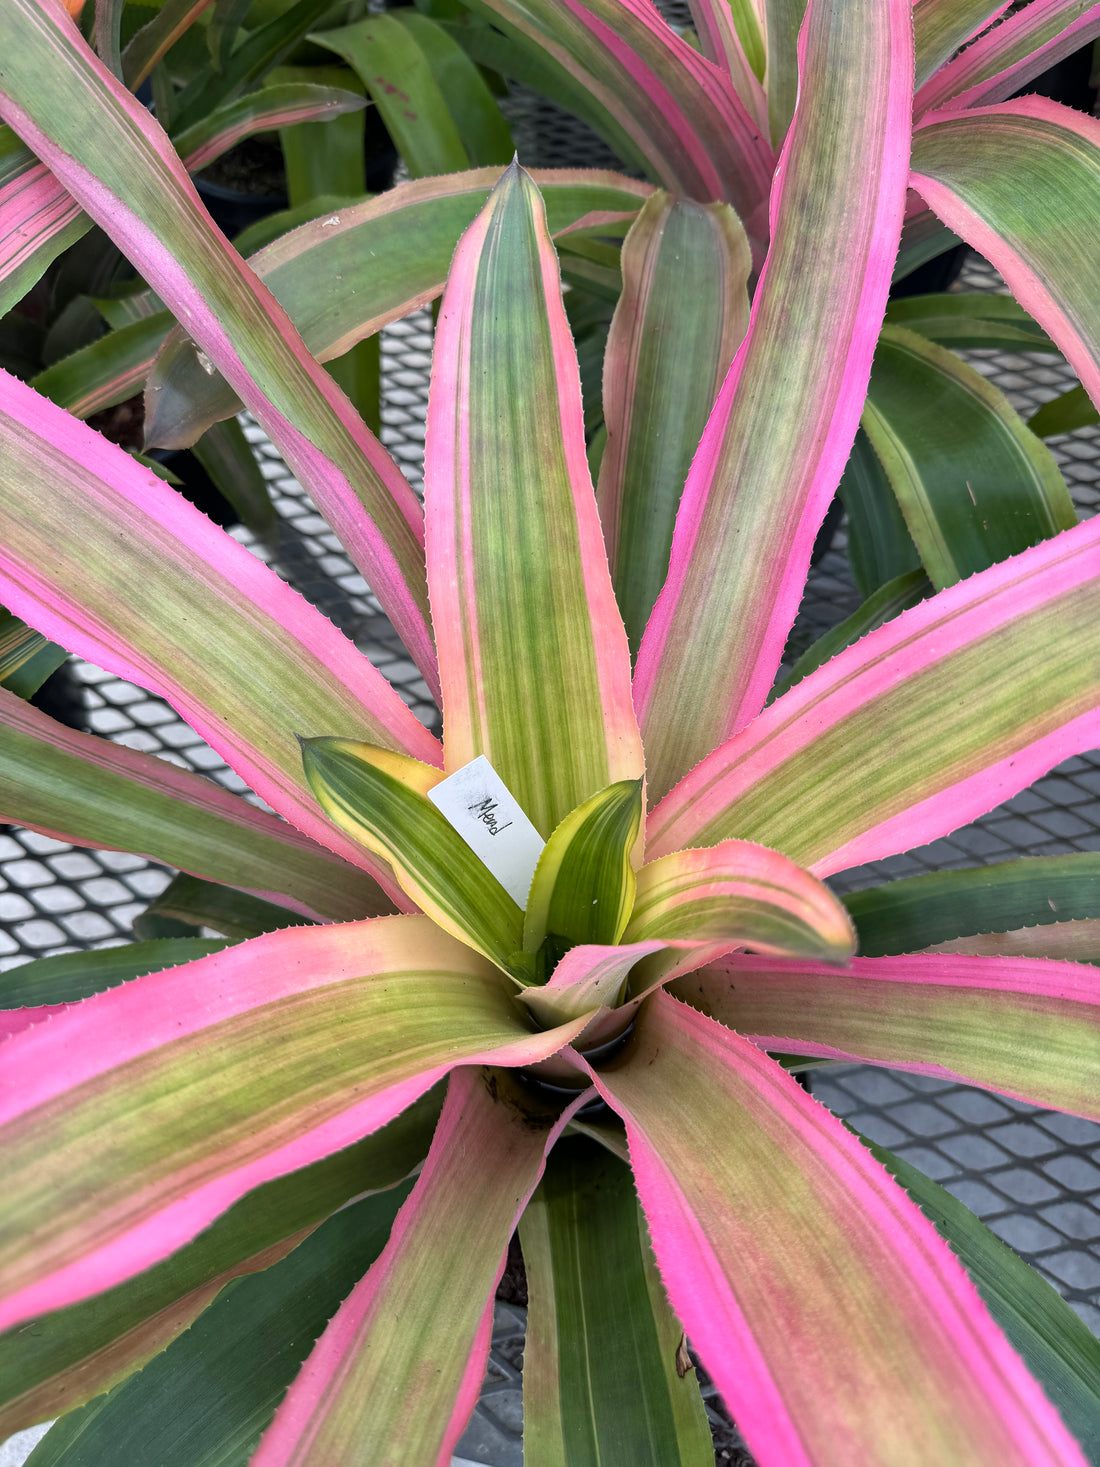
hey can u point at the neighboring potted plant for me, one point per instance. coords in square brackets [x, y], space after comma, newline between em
[263, 1107]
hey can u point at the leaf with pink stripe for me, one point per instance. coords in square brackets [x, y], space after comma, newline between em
[943, 26]
[532, 653]
[91, 792]
[781, 430]
[1077, 940]
[1010, 55]
[38, 220]
[103, 146]
[590, 976]
[740, 894]
[679, 109]
[276, 106]
[685, 271]
[428, 1297]
[730, 36]
[777, 1235]
[344, 276]
[134, 1118]
[102, 556]
[920, 727]
[1021, 184]
[1028, 1027]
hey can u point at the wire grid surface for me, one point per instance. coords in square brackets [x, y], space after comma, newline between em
[1033, 1176]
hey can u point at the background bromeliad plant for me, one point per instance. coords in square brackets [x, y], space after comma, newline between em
[262, 1109]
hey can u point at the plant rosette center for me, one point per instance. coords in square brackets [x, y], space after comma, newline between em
[600, 929]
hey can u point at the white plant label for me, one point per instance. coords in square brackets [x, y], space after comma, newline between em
[481, 807]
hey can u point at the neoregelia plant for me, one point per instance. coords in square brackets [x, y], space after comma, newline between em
[261, 1108]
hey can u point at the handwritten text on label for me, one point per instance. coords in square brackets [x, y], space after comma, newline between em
[480, 806]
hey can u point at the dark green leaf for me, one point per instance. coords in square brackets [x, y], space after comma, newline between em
[398, 76]
[27, 658]
[905, 916]
[1074, 409]
[601, 1384]
[973, 484]
[879, 544]
[970, 319]
[485, 134]
[324, 157]
[236, 914]
[227, 457]
[73, 976]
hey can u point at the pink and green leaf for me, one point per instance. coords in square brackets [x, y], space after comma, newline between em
[287, 1048]
[1011, 54]
[1021, 184]
[39, 220]
[975, 486]
[589, 977]
[105, 559]
[101, 145]
[603, 1379]
[787, 1222]
[890, 600]
[782, 428]
[730, 36]
[107, 371]
[919, 911]
[942, 27]
[925, 724]
[1076, 941]
[349, 273]
[583, 887]
[1055, 1344]
[1029, 1028]
[68, 977]
[532, 653]
[234, 1364]
[380, 800]
[684, 298]
[277, 106]
[90, 792]
[428, 1297]
[678, 108]
[72, 1354]
[743, 895]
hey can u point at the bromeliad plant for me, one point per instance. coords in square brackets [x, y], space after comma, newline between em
[229, 1140]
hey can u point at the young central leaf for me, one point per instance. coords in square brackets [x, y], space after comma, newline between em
[583, 888]
[380, 798]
